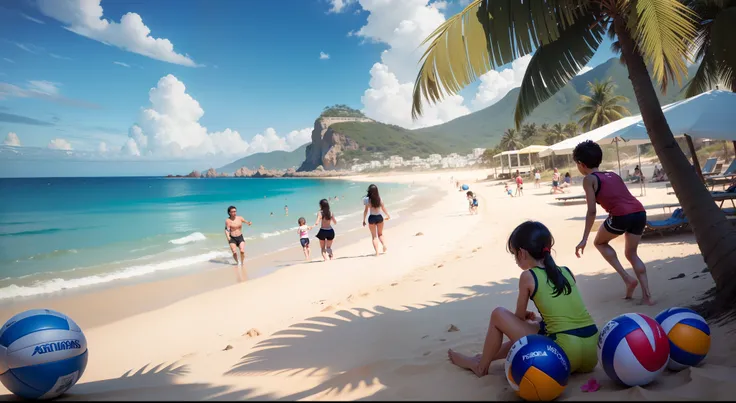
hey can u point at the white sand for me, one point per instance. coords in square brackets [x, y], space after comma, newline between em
[376, 328]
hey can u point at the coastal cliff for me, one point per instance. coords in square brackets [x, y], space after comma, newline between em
[327, 144]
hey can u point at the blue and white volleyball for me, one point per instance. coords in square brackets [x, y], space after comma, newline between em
[537, 368]
[689, 336]
[43, 353]
[465, 187]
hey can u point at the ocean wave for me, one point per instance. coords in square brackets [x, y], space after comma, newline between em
[58, 284]
[277, 233]
[193, 237]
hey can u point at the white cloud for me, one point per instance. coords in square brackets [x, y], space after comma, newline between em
[402, 25]
[84, 17]
[440, 5]
[8, 60]
[122, 64]
[41, 89]
[169, 128]
[12, 140]
[323, 56]
[337, 6]
[495, 85]
[584, 70]
[55, 56]
[44, 87]
[102, 147]
[29, 18]
[60, 144]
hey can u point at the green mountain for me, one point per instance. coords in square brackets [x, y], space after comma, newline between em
[373, 137]
[485, 127]
[270, 160]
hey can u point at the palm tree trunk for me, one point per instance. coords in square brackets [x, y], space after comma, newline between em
[694, 157]
[715, 236]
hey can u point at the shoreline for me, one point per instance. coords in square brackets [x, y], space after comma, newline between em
[158, 290]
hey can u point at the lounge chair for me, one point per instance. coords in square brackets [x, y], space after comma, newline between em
[675, 223]
[710, 165]
[724, 178]
[566, 199]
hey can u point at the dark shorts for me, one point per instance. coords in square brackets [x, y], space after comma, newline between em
[326, 234]
[555, 184]
[475, 203]
[374, 219]
[633, 223]
[237, 240]
[304, 242]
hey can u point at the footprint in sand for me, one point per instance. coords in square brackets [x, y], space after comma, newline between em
[328, 308]
[425, 336]
[365, 294]
[394, 284]
[440, 265]
[427, 353]
[475, 250]
[435, 284]
[253, 332]
[453, 328]
[228, 347]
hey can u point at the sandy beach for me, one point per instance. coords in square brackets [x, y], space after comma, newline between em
[376, 328]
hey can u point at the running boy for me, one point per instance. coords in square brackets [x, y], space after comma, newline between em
[303, 232]
[472, 202]
[554, 292]
[519, 184]
[626, 216]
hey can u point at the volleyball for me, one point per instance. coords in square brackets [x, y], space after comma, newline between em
[465, 187]
[43, 353]
[689, 336]
[633, 349]
[537, 368]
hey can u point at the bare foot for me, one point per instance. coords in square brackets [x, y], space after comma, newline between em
[462, 360]
[385, 249]
[630, 287]
[646, 301]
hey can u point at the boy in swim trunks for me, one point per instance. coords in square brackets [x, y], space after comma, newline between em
[555, 294]
[472, 202]
[234, 234]
[626, 216]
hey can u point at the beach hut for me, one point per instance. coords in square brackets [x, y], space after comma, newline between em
[524, 160]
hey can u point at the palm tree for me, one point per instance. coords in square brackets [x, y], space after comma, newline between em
[572, 129]
[556, 134]
[511, 140]
[602, 106]
[528, 131]
[563, 35]
[544, 128]
[713, 46]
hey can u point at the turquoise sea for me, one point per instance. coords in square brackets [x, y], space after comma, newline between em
[67, 233]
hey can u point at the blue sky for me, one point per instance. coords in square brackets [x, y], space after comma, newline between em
[253, 67]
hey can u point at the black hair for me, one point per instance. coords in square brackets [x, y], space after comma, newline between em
[324, 207]
[588, 153]
[373, 196]
[469, 193]
[230, 208]
[535, 238]
[301, 221]
[567, 174]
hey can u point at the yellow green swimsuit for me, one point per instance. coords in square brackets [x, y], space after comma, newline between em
[566, 320]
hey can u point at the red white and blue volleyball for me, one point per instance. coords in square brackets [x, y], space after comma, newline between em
[43, 353]
[633, 349]
[689, 336]
[537, 368]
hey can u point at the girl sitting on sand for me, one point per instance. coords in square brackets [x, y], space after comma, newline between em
[555, 294]
[303, 232]
[373, 204]
[326, 234]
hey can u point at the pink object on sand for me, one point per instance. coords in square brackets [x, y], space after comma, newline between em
[591, 386]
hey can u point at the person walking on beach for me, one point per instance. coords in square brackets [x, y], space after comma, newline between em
[326, 234]
[234, 233]
[552, 288]
[519, 184]
[303, 232]
[472, 203]
[537, 178]
[374, 205]
[626, 216]
[556, 183]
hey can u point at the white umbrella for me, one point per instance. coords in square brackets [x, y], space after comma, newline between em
[601, 135]
[710, 115]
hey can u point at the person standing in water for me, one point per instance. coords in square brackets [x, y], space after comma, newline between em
[626, 216]
[374, 205]
[326, 234]
[234, 233]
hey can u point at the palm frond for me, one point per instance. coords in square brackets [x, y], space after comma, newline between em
[555, 64]
[664, 30]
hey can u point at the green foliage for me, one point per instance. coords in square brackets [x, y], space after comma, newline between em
[373, 137]
[341, 110]
[511, 140]
[271, 160]
[602, 106]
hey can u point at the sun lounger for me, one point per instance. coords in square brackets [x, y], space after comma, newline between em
[566, 199]
[709, 166]
[724, 178]
[677, 222]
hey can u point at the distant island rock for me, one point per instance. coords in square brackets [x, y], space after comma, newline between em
[262, 172]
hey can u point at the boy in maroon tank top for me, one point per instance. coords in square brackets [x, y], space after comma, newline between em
[626, 216]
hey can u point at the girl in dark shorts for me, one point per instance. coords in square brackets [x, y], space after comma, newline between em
[626, 216]
[326, 234]
[374, 205]
[303, 232]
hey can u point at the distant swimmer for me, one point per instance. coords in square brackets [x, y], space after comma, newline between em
[234, 234]
[326, 234]
[286, 210]
[374, 205]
